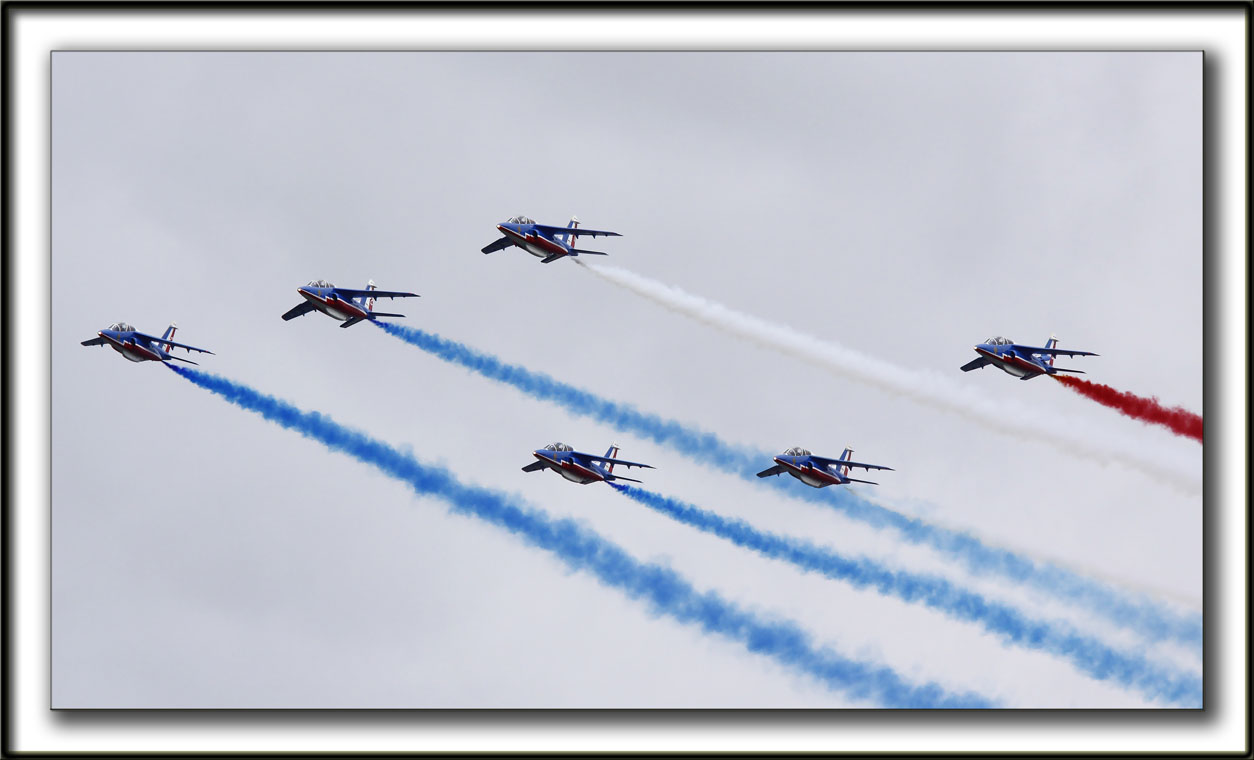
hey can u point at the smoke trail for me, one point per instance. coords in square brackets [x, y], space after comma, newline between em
[1141, 615]
[924, 387]
[580, 548]
[1087, 654]
[1176, 419]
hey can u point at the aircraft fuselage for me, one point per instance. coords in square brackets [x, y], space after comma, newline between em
[333, 306]
[1012, 364]
[571, 470]
[132, 349]
[534, 243]
[809, 473]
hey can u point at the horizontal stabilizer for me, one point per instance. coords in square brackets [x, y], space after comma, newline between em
[777, 469]
[298, 311]
[384, 314]
[1077, 371]
[868, 482]
[179, 358]
[620, 477]
[534, 467]
[578, 251]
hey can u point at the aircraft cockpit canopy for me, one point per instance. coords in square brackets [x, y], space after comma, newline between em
[999, 341]
[797, 451]
[121, 327]
[520, 220]
[319, 284]
[559, 446]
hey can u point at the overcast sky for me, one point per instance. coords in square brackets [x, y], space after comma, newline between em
[904, 205]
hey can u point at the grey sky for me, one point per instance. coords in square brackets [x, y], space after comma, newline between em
[906, 205]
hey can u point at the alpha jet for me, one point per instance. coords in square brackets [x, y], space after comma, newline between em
[1024, 362]
[141, 347]
[578, 467]
[818, 472]
[542, 241]
[345, 304]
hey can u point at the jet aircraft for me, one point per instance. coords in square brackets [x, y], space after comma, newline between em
[141, 347]
[578, 467]
[547, 243]
[345, 304]
[1024, 362]
[818, 472]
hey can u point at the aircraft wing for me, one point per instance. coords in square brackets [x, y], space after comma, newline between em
[580, 231]
[974, 364]
[172, 344]
[350, 293]
[1054, 351]
[623, 462]
[534, 467]
[498, 245]
[604, 460]
[96, 341]
[841, 462]
[298, 311]
[769, 471]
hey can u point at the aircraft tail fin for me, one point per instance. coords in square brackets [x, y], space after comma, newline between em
[572, 225]
[612, 451]
[370, 301]
[846, 455]
[1053, 341]
[168, 335]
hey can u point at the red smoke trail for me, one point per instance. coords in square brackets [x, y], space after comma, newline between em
[1177, 419]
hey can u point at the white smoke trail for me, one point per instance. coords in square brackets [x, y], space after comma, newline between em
[925, 387]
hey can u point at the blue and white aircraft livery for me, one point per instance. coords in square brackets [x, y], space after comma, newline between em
[818, 472]
[543, 241]
[1024, 362]
[141, 347]
[348, 305]
[579, 467]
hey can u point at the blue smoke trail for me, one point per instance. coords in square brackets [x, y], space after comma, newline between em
[1141, 615]
[1087, 654]
[666, 592]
